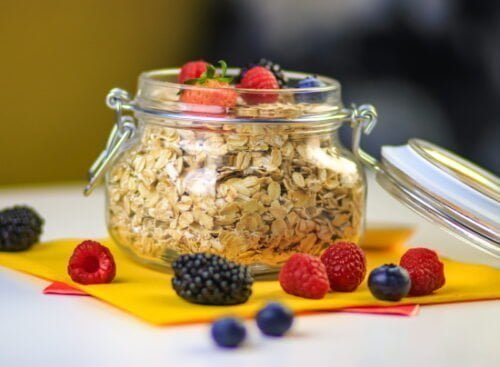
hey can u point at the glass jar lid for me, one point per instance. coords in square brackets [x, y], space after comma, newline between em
[446, 189]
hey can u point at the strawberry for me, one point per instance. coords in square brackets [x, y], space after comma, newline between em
[259, 77]
[216, 89]
[222, 94]
[192, 70]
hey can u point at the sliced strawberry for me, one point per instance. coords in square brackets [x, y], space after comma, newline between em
[222, 94]
[214, 88]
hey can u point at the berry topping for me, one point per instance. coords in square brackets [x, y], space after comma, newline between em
[259, 77]
[425, 269]
[345, 265]
[389, 282]
[274, 319]
[310, 97]
[20, 228]
[216, 92]
[210, 279]
[192, 70]
[222, 94]
[228, 332]
[269, 65]
[91, 263]
[304, 276]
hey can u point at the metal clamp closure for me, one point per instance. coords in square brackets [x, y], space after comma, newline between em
[123, 130]
[363, 119]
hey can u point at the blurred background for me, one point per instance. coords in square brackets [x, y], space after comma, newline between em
[431, 67]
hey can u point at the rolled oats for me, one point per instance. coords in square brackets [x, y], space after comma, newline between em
[254, 193]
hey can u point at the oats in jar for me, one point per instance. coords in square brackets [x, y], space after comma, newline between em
[271, 192]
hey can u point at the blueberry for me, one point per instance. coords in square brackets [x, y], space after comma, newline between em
[228, 332]
[274, 319]
[389, 282]
[310, 97]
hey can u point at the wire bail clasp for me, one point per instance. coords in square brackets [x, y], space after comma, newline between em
[123, 130]
[363, 119]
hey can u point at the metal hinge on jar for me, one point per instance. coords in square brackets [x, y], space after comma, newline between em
[123, 130]
[363, 120]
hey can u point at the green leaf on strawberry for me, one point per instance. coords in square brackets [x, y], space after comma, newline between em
[211, 74]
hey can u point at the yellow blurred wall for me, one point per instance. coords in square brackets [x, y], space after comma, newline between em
[58, 60]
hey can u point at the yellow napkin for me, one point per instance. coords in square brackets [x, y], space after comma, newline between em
[148, 294]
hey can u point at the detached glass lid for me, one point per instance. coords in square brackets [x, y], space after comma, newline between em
[446, 189]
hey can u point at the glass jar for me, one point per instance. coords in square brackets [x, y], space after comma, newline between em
[255, 183]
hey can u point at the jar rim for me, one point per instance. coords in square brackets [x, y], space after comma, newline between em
[160, 94]
[151, 77]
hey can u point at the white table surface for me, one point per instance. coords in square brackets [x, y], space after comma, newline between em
[41, 330]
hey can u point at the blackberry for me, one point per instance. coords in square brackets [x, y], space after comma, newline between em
[271, 66]
[20, 227]
[212, 280]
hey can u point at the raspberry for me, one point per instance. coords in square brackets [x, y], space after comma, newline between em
[192, 70]
[269, 65]
[304, 276]
[91, 263]
[259, 77]
[345, 265]
[425, 269]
